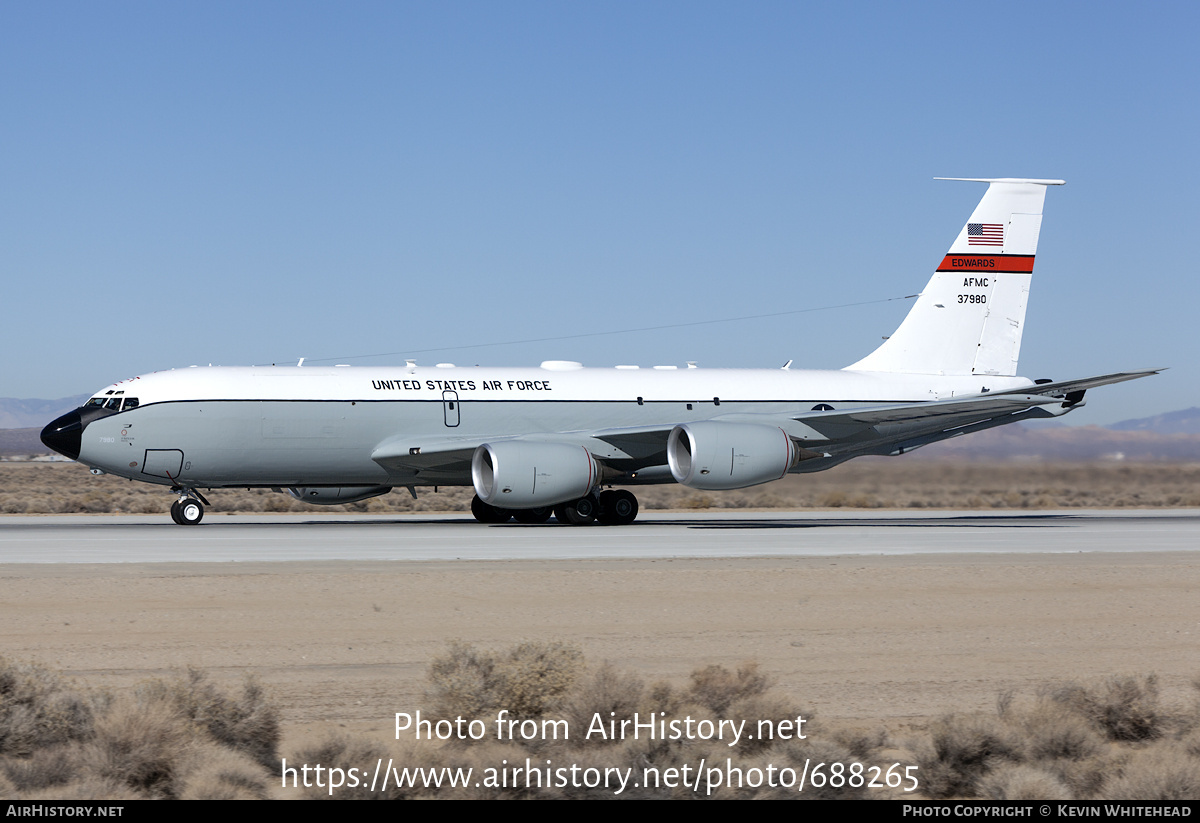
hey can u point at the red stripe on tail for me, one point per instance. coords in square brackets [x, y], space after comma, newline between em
[996, 263]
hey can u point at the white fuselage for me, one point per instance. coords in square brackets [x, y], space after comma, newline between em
[294, 426]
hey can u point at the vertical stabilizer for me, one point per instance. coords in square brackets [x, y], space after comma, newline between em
[969, 318]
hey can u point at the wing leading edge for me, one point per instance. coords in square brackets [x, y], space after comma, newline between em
[824, 438]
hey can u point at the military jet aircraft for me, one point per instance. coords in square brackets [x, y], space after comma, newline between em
[555, 440]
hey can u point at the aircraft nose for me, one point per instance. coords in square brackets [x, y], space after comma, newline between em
[65, 435]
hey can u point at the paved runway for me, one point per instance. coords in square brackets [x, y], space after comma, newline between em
[281, 538]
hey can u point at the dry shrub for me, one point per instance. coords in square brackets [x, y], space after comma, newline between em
[1053, 732]
[862, 743]
[342, 751]
[1191, 742]
[1021, 782]
[138, 744]
[769, 708]
[535, 675]
[462, 682]
[642, 754]
[66, 743]
[52, 765]
[715, 687]
[489, 754]
[337, 751]
[86, 787]
[608, 692]
[38, 707]
[1124, 707]
[961, 750]
[1162, 772]
[663, 698]
[528, 680]
[247, 723]
[214, 772]
[821, 755]
[7, 790]
[1083, 777]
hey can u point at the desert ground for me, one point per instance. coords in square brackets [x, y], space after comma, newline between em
[870, 643]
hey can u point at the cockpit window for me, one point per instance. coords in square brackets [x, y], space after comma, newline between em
[112, 403]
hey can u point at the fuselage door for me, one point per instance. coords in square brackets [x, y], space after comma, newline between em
[163, 463]
[450, 407]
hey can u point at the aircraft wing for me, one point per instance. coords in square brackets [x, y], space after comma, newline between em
[1068, 386]
[894, 428]
[838, 433]
[450, 457]
[897, 428]
[447, 455]
[636, 442]
[840, 422]
[846, 433]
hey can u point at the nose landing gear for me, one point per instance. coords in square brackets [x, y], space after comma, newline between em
[188, 510]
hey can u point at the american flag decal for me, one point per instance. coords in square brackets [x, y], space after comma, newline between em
[985, 234]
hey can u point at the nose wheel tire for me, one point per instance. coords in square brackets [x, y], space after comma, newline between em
[617, 508]
[187, 512]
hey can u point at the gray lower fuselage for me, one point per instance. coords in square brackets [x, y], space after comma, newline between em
[235, 443]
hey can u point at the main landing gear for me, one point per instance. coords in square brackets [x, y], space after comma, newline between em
[188, 510]
[614, 507]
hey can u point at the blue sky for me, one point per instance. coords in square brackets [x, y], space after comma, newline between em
[243, 183]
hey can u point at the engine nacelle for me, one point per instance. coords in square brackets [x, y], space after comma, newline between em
[520, 474]
[333, 495]
[713, 455]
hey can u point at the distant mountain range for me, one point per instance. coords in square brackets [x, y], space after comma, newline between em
[21, 414]
[1177, 422]
[1174, 436]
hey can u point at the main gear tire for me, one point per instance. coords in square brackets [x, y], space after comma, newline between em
[617, 508]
